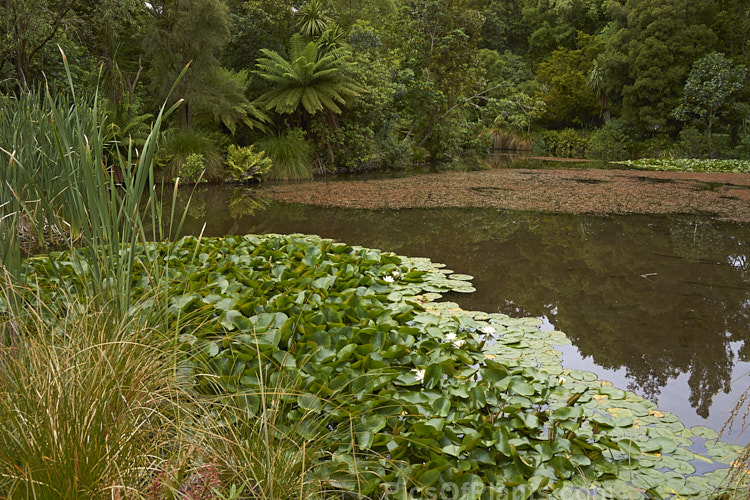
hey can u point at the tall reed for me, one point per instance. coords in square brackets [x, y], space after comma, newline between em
[56, 185]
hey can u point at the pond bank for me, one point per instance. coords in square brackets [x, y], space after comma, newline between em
[725, 196]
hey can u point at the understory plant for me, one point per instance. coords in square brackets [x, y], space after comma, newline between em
[178, 145]
[245, 164]
[289, 153]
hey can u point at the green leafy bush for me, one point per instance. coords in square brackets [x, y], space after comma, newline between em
[692, 143]
[245, 164]
[742, 150]
[540, 147]
[658, 146]
[177, 145]
[192, 168]
[609, 142]
[566, 143]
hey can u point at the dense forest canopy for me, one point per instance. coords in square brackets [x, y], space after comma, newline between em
[327, 85]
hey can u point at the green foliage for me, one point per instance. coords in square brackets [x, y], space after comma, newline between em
[565, 143]
[692, 165]
[505, 73]
[504, 28]
[556, 25]
[567, 97]
[177, 145]
[308, 81]
[191, 169]
[181, 33]
[655, 146]
[435, 45]
[711, 85]
[227, 104]
[339, 346]
[365, 134]
[313, 18]
[518, 112]
[648, 55]
[609, 143]
[290, 154]
[245, 164]
[257, 24]
[692, 143]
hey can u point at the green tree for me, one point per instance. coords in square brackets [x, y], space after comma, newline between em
[30, 31]
[182, 32]
[255, 25]
[26, 27]
[557, 23]
[436, 42]
[712, 84]
[504, 28]
[732, 26]
[566, 94]
[307, 82]
[647, 56]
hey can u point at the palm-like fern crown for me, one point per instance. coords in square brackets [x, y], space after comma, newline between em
[310, 78]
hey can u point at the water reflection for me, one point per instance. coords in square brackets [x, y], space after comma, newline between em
[657, 303]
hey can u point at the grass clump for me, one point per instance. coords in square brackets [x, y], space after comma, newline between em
[85, 405]
[290, 154]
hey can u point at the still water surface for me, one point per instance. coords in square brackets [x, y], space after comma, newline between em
[659, 305]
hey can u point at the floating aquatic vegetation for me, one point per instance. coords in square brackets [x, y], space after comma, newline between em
[419, 396]
[690, 165]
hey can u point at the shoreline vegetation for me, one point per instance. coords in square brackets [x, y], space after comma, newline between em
[278, 366]
[300, 365]
[135, 364]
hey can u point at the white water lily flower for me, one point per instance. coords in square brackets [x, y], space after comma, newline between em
[458, 343]
[450, 336]
[561, 380]
[419, 374]
[488, 330]
[388, 279]
[396, 274]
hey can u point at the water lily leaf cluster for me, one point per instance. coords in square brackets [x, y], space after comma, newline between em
[414, 396]
[690, 165]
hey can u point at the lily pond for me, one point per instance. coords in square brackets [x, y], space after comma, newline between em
[656, 305]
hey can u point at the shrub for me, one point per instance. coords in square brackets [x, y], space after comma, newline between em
[609, 143]
[692, 143]
[540, 147]
[566, 143]
[179, 144]
[742, 150]
[192, 168]
[658, 146]
[245, 164]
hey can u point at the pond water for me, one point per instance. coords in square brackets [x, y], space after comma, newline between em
[659, 305]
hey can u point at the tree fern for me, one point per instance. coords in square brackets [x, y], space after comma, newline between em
[310, 80]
